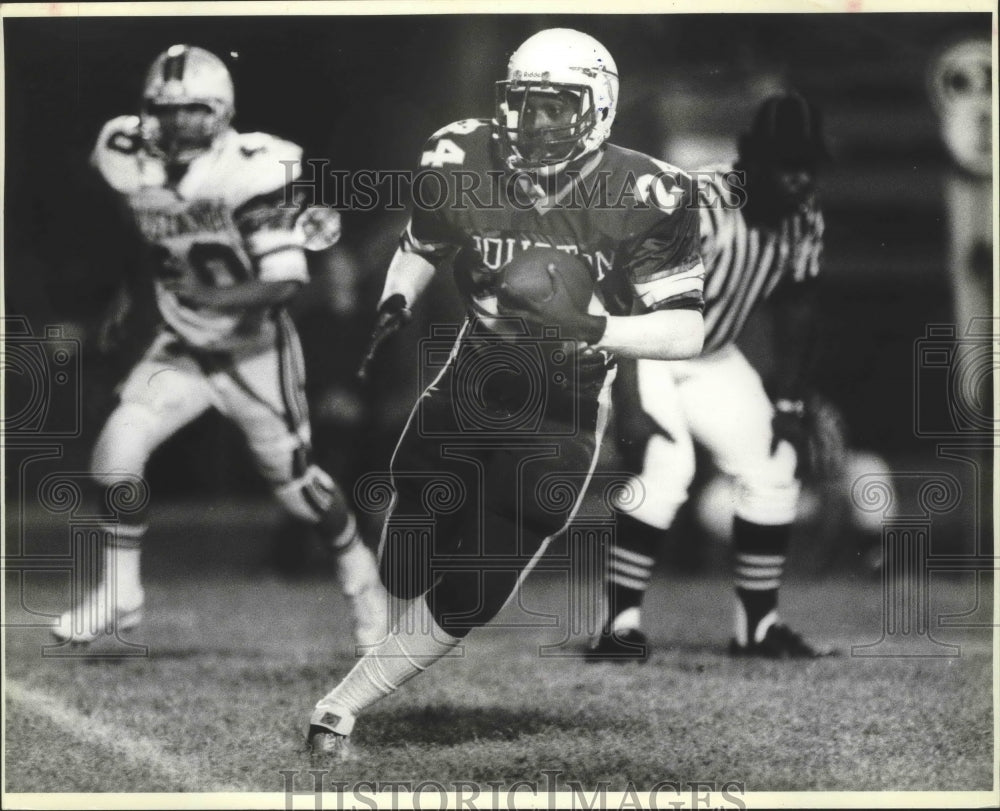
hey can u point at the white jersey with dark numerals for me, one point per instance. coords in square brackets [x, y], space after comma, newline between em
[743, 263]
[224, 213]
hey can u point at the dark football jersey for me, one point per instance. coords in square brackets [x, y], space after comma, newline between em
[632, 219]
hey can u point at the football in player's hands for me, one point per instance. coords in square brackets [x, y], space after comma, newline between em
[549, 287]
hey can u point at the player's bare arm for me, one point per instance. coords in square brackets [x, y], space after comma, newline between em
[660, 335]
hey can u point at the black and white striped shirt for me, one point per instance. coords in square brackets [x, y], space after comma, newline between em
[743, 264]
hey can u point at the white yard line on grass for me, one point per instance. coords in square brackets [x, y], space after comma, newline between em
[183, 774]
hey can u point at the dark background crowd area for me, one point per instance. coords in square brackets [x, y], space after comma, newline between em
[365, 92]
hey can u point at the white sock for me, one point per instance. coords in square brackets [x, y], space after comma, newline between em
[122, 563]
[414, 644]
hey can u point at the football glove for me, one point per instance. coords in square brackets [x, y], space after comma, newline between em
[392, 315]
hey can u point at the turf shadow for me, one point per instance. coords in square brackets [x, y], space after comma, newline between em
[450, 725]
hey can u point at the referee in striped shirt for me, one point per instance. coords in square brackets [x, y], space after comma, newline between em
[761, 238]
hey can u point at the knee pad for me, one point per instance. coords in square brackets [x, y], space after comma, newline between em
[657, 493]
[315, 497]
[768, 492]
[125, 444]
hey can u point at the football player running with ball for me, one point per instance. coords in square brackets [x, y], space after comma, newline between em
[584, 252]
[761, 237]
[225, 249]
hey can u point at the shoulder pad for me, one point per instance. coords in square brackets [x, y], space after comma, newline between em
[254, 143]
[463, 127]
[669, 168]
[631, 160]
[260, 163]
[449, 146]
[116, 154]
[714, 169]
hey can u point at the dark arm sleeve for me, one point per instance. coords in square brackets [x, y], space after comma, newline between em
[664, 266]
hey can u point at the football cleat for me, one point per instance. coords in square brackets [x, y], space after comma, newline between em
[357, 572]
[629, 645]
[324, 742]
[95, 617]
[780, 642]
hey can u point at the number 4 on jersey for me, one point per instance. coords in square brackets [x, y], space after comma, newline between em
[445, 151]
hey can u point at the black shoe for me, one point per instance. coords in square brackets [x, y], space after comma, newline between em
[780, 642]
[624, 646]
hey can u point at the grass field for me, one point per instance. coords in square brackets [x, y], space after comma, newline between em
[237, 657]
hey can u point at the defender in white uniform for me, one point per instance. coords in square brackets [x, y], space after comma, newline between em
[225, 246]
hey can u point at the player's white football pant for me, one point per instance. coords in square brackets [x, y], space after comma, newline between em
[168, 389]
[261, 392]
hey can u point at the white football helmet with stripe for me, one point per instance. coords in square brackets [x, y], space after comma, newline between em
[556, 61]
[183, 76]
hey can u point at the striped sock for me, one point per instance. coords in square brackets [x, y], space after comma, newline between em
[631, 568]
[758, 566]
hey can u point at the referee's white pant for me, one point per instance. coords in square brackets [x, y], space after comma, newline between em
[719, 401]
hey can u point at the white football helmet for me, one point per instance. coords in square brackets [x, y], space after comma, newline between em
[186, 75]
[557, 61]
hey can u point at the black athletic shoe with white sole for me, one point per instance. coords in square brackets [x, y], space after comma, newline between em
[780, 642]
[630, 645]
